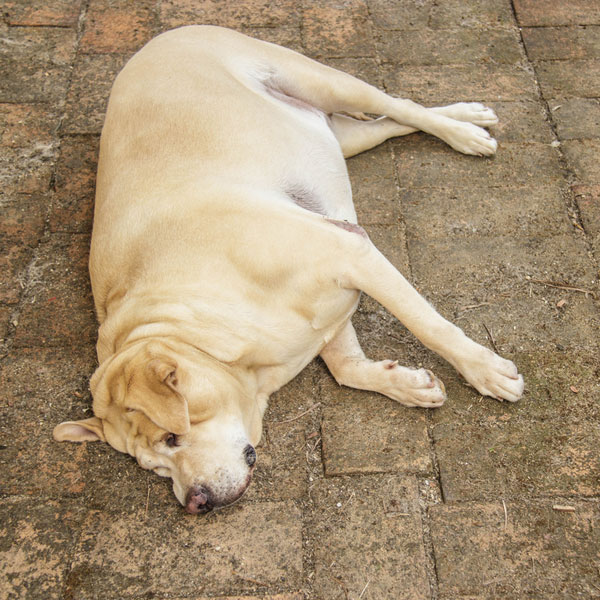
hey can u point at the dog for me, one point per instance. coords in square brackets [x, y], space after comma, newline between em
[226, 253]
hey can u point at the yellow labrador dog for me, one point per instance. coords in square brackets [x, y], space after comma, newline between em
[226, 255]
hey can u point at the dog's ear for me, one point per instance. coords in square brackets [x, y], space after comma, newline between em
[88, 430]
[154, 390]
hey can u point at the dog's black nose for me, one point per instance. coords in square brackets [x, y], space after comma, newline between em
[250, 455]
[198, 500]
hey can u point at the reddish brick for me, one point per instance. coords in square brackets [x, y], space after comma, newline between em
[21, 228]
[367, 538]
[73, 202]
[117, 27]
[425, 162]
[338, 30]
[374, 187]
[465, 45]
[58, 308]
[233, 548]
[237, 15]
[582, 156]
[517, 459]
[444, 84]
[562, 43]
[576, 117]
[41, 388]
[548, 12]
[37, 67]
[58, 13]
[516, 550]
[24, 125]
[36, 546]
[27, 170]
[365, 433]
[564, 79]
[471, 13]
[92, 80]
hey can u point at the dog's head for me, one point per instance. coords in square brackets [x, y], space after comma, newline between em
[182, 415]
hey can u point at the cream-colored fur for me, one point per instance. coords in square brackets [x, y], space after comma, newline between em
[226, 256]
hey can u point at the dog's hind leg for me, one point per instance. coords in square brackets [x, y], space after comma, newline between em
[332, 91]
[412, 387]
[356, 136]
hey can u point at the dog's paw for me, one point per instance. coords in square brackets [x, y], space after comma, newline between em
[472, 112]
[471, 139]
[492, 375]
[411, 387]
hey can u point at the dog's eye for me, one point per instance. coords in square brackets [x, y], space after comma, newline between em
[171, 440]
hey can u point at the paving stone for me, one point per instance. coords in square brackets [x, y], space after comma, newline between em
[529, 551]
[404, 16]
[58, 13]
[576, 117]
[374, 191]
[41, 388]
[27, 170]
[244, 13]
[518, 459]
[93, 76]
[5, 316]
[367, 539]
[560, 386]
[73, 201]
[21, 228]
[561, 43]
[36, 545]
[368, 433]
[298, 596]
[58, 308]
[342, 29]
[280, 473]
[546, 12]
[456, 46]
[117, 26]
[444, 84]
[582, 156]
[508, 286]
[26, 125]
[426, 162]
[588, 201]
[456, 214]
[243, 547]
[521, 122]
[35, 63]
[471, 13]
[580, 78]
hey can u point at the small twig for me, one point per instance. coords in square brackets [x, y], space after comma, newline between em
[147, 502]
[491, 338]
[505, 515]
[564, 286]
[472, 306]
[563, 508]
[364, 589]
[298, 416]
[250, 580]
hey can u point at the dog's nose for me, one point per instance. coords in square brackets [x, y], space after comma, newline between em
[198, 500]
[250, 455]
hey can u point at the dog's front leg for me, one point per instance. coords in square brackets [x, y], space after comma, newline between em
[368, 270]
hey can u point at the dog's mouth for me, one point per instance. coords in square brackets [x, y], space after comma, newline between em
[200, 499]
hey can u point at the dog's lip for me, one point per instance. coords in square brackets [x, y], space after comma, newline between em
[210, 506]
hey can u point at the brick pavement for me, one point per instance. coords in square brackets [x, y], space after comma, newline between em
[359, 497]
